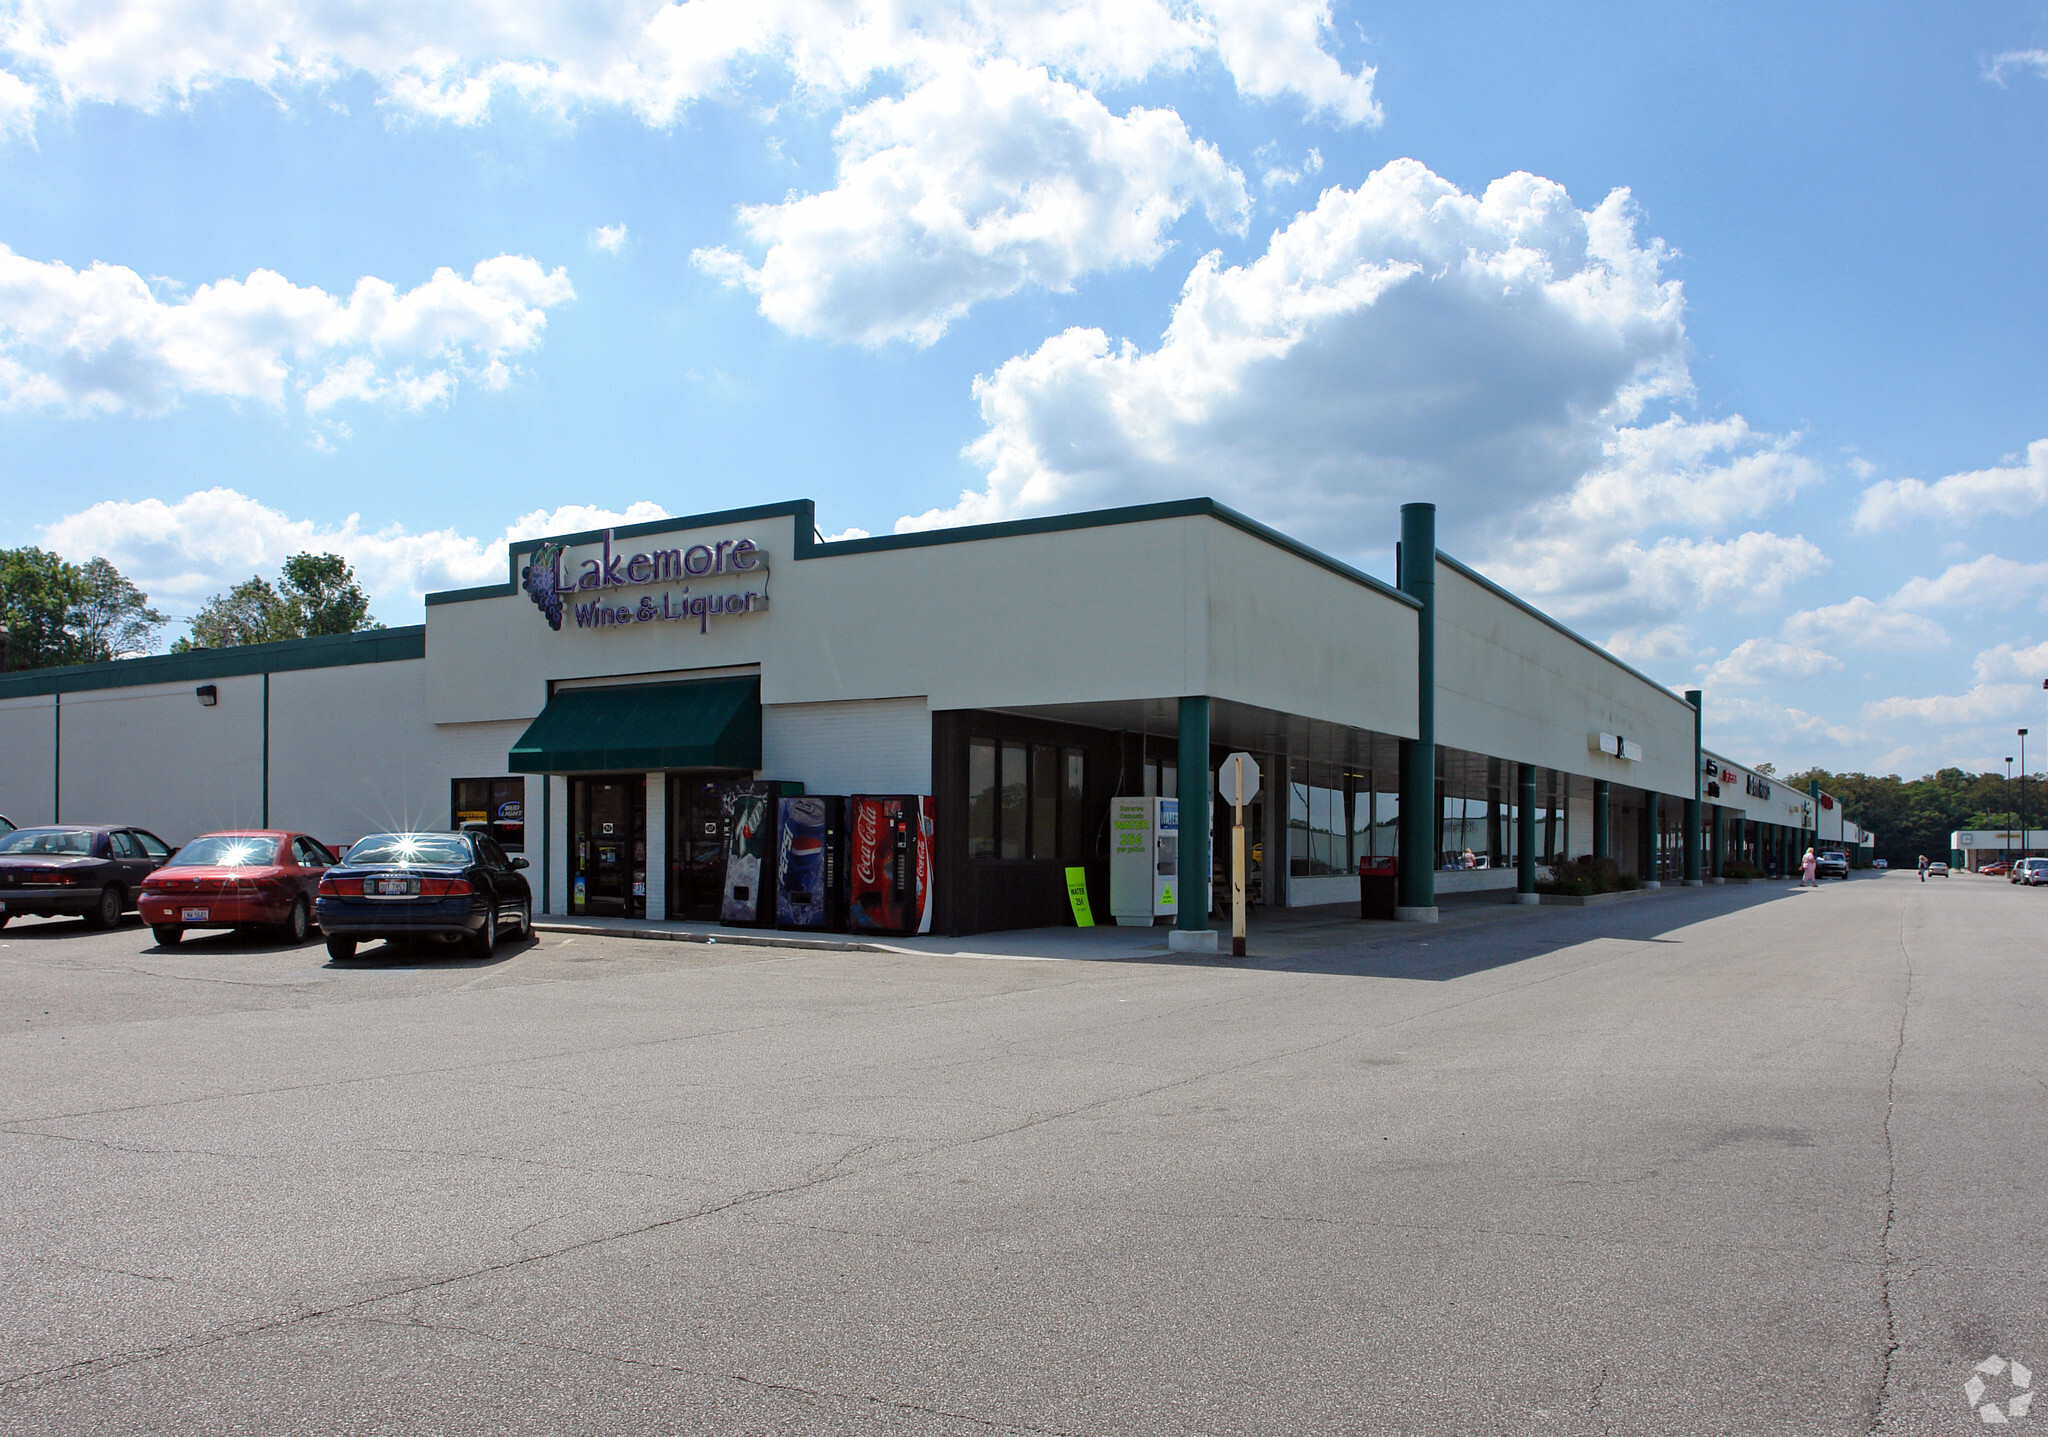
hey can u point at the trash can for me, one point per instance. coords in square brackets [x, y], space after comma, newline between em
[1376, 887]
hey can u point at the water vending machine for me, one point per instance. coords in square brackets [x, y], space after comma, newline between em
[1144, 859]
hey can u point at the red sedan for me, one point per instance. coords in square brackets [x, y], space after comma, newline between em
[263, 878]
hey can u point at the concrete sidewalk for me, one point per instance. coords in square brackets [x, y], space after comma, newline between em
[1270, 933]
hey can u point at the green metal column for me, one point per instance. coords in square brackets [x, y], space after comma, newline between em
[1813, 792]
[1193, 909]
[1720, 822]
[1692, 804]
[1603, 827]
[1415, 888]
[1525, 836]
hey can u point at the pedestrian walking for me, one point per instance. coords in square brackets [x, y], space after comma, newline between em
[1923, 868]
[1807, 868]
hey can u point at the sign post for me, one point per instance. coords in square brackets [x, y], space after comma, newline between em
[1237, 781]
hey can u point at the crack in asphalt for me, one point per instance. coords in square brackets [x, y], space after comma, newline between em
[757, 1383]
[1891, 1174]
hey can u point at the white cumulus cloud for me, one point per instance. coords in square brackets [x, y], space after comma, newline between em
[1400, 338]
[2005, 491]
[2011, 60]
[609, 238]
[101, 339]
[451, 60]
[185, 551]
[1986, 582]
[1757, 662]
[1595, 551]
[969, 187]
[1861, 623]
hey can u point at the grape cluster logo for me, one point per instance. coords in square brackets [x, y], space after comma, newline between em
[2014, 1377]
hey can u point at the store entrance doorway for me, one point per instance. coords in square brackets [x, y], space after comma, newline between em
[698, 811]
[608, 845]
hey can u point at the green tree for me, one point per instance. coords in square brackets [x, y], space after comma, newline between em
[39, 594]
[249, 613]
[325, 598]
[317, 594]
[112, 617]
[56, 612]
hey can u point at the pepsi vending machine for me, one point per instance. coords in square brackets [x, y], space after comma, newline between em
[889, 863]
[751, 810]
[810, 872]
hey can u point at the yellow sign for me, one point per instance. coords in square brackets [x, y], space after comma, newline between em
[1077, 894]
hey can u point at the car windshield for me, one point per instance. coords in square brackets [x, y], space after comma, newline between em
[226, 850]
[410, 848]
[48, 840]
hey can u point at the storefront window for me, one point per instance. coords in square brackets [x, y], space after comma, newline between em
[1016, 793]
[1386, 824]
[981, 798]
[494, 806]
[1045, 801]
[1329, 814]
[1025, 800]
[1073, 792]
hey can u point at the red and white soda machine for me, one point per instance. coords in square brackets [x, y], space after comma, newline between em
[889, 862]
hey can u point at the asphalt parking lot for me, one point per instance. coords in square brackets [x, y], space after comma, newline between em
[1741, 1160]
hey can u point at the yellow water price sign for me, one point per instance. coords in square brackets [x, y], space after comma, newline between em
[1077, 894]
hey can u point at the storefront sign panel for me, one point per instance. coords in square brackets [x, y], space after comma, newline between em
[585, 588]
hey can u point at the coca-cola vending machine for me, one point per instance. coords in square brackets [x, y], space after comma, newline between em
[751, 810]
[810, 874]
[889, 862]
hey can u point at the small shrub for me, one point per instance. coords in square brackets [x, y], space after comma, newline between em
[1586, 876]
[1740, 868]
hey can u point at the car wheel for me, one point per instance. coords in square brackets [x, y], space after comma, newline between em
[340, 949]
[167, 935]
[484, 942]
[525, 929]
[298, 924]
[107, 912]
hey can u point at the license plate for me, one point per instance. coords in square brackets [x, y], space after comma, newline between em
[192, 915]
[390, 887]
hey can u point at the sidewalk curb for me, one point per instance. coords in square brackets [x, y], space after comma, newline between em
[736, 939]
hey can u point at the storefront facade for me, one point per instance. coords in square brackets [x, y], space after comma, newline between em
[596, 710]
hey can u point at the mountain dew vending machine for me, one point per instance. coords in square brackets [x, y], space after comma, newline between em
[889, 863]
[750, 826]
[1144, 859]
[810, 874]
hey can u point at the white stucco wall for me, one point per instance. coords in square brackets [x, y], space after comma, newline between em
[873, 746]
[153, 755]
[1512, 686]
[1145, 610]
[27, 742]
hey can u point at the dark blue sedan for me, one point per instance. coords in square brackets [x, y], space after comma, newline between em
[454, 886]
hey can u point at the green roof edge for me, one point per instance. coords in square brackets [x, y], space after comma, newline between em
[372, 646]
[810, 546]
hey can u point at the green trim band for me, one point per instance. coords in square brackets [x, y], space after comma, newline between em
[373, 646]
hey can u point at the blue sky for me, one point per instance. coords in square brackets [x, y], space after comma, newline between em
[1718, 333]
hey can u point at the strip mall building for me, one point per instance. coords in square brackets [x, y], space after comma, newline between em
[1023, 674]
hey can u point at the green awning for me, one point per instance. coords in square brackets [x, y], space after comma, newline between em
[705, 723]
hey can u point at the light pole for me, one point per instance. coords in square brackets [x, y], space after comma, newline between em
[2012, 813]
[2023, 793]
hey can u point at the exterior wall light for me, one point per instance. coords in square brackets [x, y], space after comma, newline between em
[209, 695]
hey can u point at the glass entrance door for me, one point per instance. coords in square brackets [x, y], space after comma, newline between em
[696, 851]
[608, 845]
